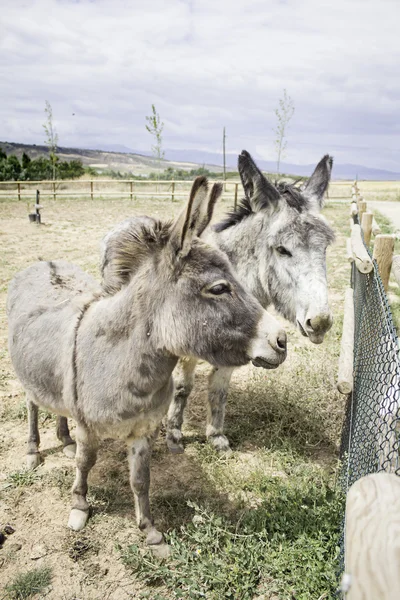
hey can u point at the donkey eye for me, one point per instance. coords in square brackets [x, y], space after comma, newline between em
[283, 251]
[219, 288]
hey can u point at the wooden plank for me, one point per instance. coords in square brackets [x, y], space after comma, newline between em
[361, 257]
[372, 538]
[383, 254]
[346, 358]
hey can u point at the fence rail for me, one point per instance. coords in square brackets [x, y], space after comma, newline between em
[103, 188]
[130, 188]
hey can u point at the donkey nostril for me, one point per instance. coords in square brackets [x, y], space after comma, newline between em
[281, 341]
[308, 324]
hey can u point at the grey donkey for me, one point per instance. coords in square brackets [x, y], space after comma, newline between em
[276, 241]
[107, 360]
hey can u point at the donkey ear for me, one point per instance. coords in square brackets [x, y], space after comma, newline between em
[216, 192]
[318, 183]
[258, 190]
[193, 219]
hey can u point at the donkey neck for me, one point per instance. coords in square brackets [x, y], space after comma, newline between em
[243, 244]
[117, 340]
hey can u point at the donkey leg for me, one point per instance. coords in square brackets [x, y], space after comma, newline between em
[86, 455]
[139, 453]
[218, 383]
[33, 458]
[69, 446]
[184, 379]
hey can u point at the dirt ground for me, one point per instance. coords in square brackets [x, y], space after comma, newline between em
[87, 566]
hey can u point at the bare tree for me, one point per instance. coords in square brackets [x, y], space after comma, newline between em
[283, 113]
[155, 127]
[51, 136]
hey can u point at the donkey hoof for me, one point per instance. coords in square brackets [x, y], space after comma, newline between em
[33, 460]
[154, 537]
[175, 444]
[220, 443]
[70, 450]
[77, 519]
[162, 551]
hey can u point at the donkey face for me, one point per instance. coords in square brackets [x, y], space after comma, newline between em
[289, 239]
[197, 305]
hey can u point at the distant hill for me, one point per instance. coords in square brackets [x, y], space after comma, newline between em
[118, 161]
[121, 158]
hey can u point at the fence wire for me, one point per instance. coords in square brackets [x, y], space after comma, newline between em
[371, 431]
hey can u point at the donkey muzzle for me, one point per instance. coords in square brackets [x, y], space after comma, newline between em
[315, 327]
[269, 348]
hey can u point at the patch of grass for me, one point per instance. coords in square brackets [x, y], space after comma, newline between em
[26, 585]
[288, 546]
[25, 477]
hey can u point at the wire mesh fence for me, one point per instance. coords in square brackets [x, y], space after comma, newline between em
[371, 431]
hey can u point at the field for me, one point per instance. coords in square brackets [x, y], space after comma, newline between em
[259, 523]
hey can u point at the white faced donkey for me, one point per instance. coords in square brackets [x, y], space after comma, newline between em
[276, 241]
[107, 360]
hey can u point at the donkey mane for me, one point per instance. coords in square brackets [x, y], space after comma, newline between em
[125, 251]
[289, 191]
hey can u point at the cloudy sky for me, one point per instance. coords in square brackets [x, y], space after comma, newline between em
[206, 64]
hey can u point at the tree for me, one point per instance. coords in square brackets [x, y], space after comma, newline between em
[51, 136]
[283, 113]
[155, 128]
[25, 160]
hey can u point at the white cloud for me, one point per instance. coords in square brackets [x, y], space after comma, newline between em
[205, 65]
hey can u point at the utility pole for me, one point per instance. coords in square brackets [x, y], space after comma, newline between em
[223, 146]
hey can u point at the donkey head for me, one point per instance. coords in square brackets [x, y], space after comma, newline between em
[289, 239]
[186, 292]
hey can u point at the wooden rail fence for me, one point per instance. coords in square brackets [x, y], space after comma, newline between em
[132, 188]
[129, 188]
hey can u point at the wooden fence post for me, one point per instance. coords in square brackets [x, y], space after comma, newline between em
[19, 190]
[236, 196]
[362, 207]
[131, 189]
[372, 552]
[366, 225]
[383, 254]
[91, 190]
[173, 191]
[54, 191]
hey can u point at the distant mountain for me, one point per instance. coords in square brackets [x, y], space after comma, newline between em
[344, 171]
[124, 159]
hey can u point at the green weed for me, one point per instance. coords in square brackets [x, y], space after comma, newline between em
[26, 585]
